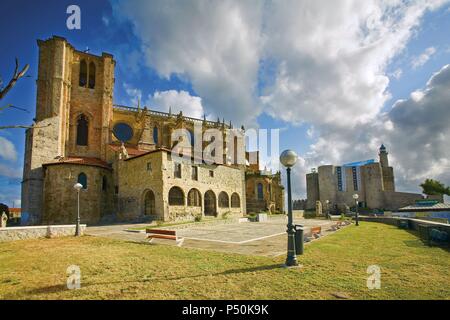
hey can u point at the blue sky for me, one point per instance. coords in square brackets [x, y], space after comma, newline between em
[263, 70]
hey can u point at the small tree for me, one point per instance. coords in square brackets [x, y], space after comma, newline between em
[5, 89]
[434, 187]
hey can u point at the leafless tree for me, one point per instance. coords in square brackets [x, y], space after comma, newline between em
[17, 75]
[4, 90]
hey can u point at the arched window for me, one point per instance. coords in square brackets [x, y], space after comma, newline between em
[260, 192]
[149, 203]
[176, 197]
[123, 132]
[224, 201]
[82, 179]
[83, 73]
[104, 183]
[91, 75]
[191, 137]
[82, 131]
[235, 201]
[155, 135]
[210, 203]
[194, 198]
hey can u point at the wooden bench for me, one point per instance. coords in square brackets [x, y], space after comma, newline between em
[316, 231]
[164, 234]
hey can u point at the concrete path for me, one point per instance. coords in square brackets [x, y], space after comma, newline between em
[252, 238]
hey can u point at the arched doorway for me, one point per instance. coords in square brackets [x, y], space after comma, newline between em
[149, 203]
[260, 191]
[210, 203]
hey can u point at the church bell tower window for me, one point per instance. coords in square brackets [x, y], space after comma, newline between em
[82, 131]
[83, 73]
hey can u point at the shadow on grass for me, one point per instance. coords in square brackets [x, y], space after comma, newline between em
[49, 289]
[420, 242]
[61, 288]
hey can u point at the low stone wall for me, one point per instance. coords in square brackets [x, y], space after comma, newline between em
[34, 232]
[413, 224]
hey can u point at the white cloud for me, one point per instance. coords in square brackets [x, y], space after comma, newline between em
[332, 57]
[135, 94]
[315, 61]
[213, 44]
[423, 58]
[7, 150]
[177, 101]
[415, 131]
[397, 74]
[10, 172]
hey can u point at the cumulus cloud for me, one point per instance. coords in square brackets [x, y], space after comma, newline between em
[177, 101]
[8, 151]
[415, 131]
[315, 61]
[214, 45]
[331, 57]
[420, 60]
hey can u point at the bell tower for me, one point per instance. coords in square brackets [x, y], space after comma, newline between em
[387, 172]
[383, 157]
[73, 115]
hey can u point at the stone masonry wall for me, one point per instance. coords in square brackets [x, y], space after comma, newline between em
[35, 232]
[60, 198]
[135, 179]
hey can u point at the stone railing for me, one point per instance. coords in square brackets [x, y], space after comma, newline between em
[35, 232]
[168, 115]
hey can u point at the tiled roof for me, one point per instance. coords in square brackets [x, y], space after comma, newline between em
[81, 161]
[15, 209]
[434, 207]
[131, 151]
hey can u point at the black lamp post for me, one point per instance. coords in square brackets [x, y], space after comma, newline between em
[288, 159]
[355, 196]
[78, 187]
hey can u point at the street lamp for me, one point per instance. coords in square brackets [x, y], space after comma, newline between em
[78, 187]
[288, 159]
[355, 196]
[328, 209]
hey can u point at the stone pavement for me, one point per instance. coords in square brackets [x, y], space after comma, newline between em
[252, 238]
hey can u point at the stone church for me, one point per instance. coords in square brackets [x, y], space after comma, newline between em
[123, 156]
[372, 181]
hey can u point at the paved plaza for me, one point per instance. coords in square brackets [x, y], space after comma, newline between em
[252, 238]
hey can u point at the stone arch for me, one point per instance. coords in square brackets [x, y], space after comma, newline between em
[83, 75]
[176, 196]
[104, 183]
[194, 198]
[224, 200]
[91, 77]
[82, 179]
[156, 135]
[235, 200]
[210, 206]
[82, 130]
[148, 205]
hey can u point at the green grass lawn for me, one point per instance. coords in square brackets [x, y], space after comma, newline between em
[111, 269]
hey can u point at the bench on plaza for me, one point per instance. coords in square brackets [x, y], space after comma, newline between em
[164, 234]
[316, 232]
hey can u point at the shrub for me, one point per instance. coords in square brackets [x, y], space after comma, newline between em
[225, 214]
[309, 214]
[198, 218]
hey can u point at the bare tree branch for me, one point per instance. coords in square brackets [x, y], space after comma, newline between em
[23, 127]
[12, 106]
[17, 75]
